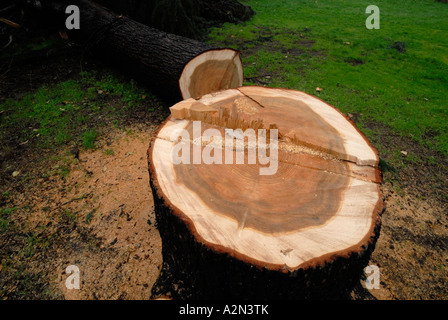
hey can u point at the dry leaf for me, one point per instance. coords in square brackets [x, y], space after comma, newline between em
[63, 34]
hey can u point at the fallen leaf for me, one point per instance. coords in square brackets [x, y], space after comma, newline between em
[318, 89]
[63, 34]
[404, 153]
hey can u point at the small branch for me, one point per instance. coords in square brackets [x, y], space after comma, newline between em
[10, 41]
[10, 23]
[75, 199]
[257, 79]
[7, 10]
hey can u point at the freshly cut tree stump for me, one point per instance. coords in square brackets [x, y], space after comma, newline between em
[176, 67]
[305, 227]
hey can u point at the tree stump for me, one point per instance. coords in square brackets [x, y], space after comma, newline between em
[298, 220]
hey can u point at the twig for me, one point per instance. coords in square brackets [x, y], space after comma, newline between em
[75, 199]
[10, 23]
[257, 79]
[7, 9]
[10, 41]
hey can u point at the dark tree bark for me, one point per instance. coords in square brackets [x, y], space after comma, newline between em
[188, 18]
[161, 59]
[191, 270]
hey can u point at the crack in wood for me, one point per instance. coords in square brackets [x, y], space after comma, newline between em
[287, 161]
[249, 97]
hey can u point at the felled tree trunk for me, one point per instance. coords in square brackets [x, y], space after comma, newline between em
[305, 227]
[188, 18]
[174, 66]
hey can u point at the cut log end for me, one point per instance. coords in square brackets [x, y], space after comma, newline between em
[211, 71]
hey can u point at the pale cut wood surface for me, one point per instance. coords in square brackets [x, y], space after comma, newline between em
[211, 71]
[324, 198]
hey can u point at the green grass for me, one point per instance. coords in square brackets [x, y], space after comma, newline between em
[109, 152]
[71, 111]
[88, 139]
[5, 218]
[307, 44]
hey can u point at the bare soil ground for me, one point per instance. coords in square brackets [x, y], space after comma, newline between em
[412, 251]
[100, 216]
[112, 235]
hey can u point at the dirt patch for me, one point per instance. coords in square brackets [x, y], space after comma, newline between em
[99, 218]
[399, 46]
[354, 61]
[412, 250]
[118, 204]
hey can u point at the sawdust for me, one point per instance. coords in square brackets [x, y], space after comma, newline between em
[108, 189]
[123, 217]
[246, 105]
